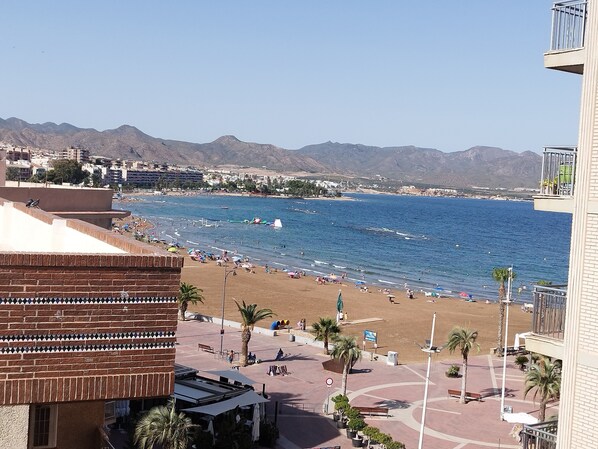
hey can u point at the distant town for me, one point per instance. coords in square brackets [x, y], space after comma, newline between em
[76, 166]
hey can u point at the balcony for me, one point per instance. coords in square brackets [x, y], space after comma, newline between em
[548, 321]
[567, 52]
[557, 184]
[539, 436]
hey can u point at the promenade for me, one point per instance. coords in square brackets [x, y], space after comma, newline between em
[303, 393]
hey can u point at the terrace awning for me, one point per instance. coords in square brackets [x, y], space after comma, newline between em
[249, 398]
[234, 375]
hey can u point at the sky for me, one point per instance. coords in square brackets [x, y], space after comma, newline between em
[436, 74]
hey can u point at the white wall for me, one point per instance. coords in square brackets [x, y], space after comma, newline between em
[24, 233]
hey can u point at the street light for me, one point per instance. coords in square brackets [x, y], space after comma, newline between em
[507, 302]
[226, 273]
[429, 349]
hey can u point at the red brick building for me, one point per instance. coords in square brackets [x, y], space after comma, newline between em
[86, 316]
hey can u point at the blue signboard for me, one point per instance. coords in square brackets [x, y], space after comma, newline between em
[370, 336]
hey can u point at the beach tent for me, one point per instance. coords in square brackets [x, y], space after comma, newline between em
[339, 302]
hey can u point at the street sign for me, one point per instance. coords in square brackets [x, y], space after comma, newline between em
[329, 381]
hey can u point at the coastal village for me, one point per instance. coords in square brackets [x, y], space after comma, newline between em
[114, 337]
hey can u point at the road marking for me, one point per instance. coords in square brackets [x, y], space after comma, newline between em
[421, 376]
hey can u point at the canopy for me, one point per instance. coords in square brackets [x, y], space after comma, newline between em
[233, 375]
[249, 398]
[339, 302]
[522, 418]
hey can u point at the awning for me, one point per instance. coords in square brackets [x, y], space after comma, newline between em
[190, 394]
[249, 398]
[521, 418]
[233, 375]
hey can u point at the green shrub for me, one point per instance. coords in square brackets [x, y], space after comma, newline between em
[357, 423]
[453, 371]
[521, 361]
[268, 434]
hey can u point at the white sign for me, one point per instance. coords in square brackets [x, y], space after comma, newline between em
[329, 381]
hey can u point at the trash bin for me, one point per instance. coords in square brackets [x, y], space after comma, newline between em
[291, 337]
[392, 358]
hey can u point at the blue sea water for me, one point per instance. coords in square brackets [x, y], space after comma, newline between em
[385, 240]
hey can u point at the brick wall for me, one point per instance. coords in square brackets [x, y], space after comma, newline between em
[86, 327]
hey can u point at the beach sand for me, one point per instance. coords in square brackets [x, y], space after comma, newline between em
[399, 326]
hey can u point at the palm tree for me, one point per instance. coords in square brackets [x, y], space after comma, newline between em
[163, 427]
[544, 377]
[188, 294]
[250, 315]
[464, 340]
[347, 351]
[501, 275]
[324, 330]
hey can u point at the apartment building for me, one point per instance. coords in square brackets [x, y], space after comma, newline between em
[565, 321]
[87, 317]
[78, 154]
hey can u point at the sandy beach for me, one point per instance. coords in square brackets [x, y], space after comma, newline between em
[399, 326]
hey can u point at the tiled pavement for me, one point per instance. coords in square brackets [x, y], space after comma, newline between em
[302, 394]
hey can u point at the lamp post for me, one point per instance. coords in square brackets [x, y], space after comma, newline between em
[429, 349]
[507, 303]
[226, 274]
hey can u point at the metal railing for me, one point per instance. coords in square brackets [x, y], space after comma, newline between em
[550, 304]
[558, 171]
[568, 25]
[539, 436]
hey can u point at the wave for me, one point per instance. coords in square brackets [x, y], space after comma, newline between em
[193, 243]
[387, 282]
[340, 267]
[320, 262]
[396, 232]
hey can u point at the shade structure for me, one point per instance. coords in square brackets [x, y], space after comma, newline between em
[521, 418]
[233, 375]
[249, 398]
[339, 302]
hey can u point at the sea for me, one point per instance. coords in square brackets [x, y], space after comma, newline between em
[432, 244]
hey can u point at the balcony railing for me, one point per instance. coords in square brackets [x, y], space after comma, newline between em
[549, 310]
[539, 436]
[558, 171]
[568, 25]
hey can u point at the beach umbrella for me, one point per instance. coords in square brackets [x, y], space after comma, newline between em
[339, 302]
[173, 249]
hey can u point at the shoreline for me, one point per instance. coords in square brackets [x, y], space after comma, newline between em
[400, 324]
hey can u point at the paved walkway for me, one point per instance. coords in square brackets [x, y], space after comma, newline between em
[302, 394]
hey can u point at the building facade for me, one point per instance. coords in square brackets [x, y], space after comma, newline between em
[87, 316]
[566, 317]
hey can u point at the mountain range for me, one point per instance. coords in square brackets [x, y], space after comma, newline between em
[477, 166]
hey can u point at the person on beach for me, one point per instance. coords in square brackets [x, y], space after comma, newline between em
[231, 356]
[279, 355]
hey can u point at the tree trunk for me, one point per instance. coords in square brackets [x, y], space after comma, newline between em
[501, 318]
[344, 379]
[182, 310]
[542, 414]
[245, 337]
[462, 399]
[326, 344]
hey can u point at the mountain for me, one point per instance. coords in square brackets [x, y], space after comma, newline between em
[481, 166]
[477, 166]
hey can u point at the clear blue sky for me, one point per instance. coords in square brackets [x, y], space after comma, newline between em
[435, 73]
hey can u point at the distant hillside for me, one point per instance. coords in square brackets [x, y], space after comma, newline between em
[481, 166]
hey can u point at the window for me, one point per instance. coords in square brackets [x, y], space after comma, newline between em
[42, 426]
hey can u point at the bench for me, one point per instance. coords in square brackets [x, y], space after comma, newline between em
[468, 395]
[372, 410]
[206, 348]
